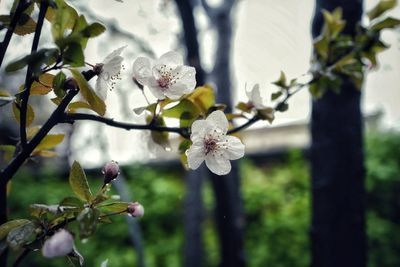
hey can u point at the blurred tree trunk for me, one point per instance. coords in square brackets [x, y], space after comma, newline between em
[338, 206]
[229, 210]
[193, 214]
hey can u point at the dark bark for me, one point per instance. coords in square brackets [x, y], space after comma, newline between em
[229, 211]
[193, 215]
[338, 195]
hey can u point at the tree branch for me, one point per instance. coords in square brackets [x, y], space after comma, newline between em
[29, 78]
[72, 117]
[22, 6]
[7, 173]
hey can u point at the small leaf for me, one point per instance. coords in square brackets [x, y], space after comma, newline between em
[30, 114]
[282, 107]
[203, 97]
[268, 114]
[387, 23]
[21, 235]
[88, 219]
[77, 256]
[380, 8]
[50, 141]
[78, 105]
[243, 107]
[10, 225]
[28, 26]
[8, 152]
[93, 30]
[73, 55]
[281, 82]
[58, 84]
[79, 183]
[276, 95]
[88, 93]
[115, 206]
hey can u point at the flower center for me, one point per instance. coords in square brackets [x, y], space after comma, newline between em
[167, 77]
[210, 145]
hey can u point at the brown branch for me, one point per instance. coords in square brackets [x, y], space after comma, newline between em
[72, 117]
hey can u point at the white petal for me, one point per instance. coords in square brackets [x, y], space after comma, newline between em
[114, 65]
[171, 59]
[195, 156]
[199, 127]
[187, 77]
[155, 89]
[218, 119]
[217, 164]
[142, 70]
[114, 54]
[235, 148]
[175, 91]
[101, 87]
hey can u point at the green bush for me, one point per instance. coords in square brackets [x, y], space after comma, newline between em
[276, 201]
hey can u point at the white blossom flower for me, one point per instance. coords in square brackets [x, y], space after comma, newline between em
[212, 144]
[59, 244]
[108, 72]
[135, 209]
[167, 77]
[255, 98]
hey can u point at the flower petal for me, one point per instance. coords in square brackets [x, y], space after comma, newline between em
[142, 70]
[186, 76]
[171, 59]
[217, 164]
[114, 54]
[101, 87]
[113, 66]
[218, 119]
[199, 127]
[235, 149]
[155, 89]
[195, 156]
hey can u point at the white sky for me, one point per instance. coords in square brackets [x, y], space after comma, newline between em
[270, 36]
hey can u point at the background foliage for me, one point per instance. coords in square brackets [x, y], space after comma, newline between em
[276, 197]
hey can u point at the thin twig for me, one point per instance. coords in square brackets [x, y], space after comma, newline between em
[29, 78]
[22, 6]
[72, 117]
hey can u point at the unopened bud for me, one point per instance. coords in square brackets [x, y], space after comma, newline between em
[135, 209]
[110, 171]
[58, 245]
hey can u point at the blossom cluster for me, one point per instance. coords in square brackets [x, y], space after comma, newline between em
[168, 78]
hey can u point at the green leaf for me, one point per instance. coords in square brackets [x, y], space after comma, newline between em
[88, 219]
[333, 23]
[185, 110]
[281, 82]
[380, 8]
[30, 114]
[282, 107]
[79, 183]
[26, 25]
[321, 46]
[88, 93]
[8, 152]
[276, 95]
[50, 141]
[93, 30]
[58, 84]
[44, 86]
[73, 55]
[21, 235]
[386, 23]
[268, 113]
[62, 18]
[160, 138]
[72, 107]
[10, 225]
[35, 60]
[115, 206]
[243, 107]
[203, 97]
[72, 202]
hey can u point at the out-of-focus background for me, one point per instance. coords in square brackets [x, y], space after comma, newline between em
[267, 36]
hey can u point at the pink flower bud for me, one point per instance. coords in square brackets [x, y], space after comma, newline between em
[110, 171]
[59, 244]
[135, 209]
